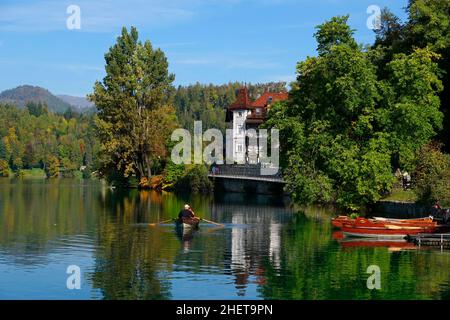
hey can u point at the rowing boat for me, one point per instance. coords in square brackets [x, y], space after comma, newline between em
[339, 221]
[187, 223]
[416, 220]
[363, 222]
[385, 231]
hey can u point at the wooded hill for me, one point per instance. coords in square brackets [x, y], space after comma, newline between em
[21, 95]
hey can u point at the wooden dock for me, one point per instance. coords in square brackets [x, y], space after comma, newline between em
[434, 239]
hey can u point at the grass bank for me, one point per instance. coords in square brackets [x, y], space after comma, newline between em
[398, 194]
[34, 173]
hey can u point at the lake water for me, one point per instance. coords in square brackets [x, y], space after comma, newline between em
[265, 250]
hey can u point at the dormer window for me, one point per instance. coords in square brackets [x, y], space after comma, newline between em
[258, 111]
[269, 101]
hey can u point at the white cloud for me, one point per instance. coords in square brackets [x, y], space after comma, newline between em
[173, 44]
[75, 68]
[107, 15]
[228, 62]
[285, 78]
[79, 68]
[195, 61]
[96, 16]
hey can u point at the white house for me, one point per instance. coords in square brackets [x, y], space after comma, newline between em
[244, 115]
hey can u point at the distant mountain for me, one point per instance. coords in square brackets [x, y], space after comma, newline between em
[79, 103]
[21, 95]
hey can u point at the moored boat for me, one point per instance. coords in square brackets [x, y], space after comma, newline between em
[412, 220]
[363, 222]
[339, 221]
[385, 231]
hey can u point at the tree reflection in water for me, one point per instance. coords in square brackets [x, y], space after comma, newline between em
[266, 250]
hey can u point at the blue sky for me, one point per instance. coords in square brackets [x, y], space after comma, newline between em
[209, 41]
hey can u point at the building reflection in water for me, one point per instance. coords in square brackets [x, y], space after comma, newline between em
[275, 244]
[255, 237]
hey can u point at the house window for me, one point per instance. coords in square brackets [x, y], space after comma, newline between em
[239, 148]
[240, 114]
[241, 129]
[258, 111]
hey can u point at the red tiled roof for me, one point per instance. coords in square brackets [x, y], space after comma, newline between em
[264, 99]
[242, 100]
[263, 103]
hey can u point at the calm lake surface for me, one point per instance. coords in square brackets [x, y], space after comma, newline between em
[265, 251]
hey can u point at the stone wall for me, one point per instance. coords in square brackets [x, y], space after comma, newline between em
[247, 186]
[402, 209]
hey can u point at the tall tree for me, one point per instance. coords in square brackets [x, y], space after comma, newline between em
[131, 100]
[3, 154]
[334, 32]
[410, 110]
[342, 126]
[428, 26]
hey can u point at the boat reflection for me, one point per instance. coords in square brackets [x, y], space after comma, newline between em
[392, 245]
[186, 235]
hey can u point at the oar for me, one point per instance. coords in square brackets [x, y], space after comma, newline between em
[154, 224]
[212, 222]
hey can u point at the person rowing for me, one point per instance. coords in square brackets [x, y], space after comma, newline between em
[187, 214]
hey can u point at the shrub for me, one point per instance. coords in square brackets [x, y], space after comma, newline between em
[195, 179]
[432, 175]
[52, 167]
[70, 168]
[87, 172]
[173, 173]
[4, 168]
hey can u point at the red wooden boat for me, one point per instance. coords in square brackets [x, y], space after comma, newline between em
[424, 219]
[385, 230]
[363, 222]
[339, 221]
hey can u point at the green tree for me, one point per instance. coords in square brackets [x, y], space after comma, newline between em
[334, 32]
[14, 149]
[53, 167]
[3, 154]
[427, 26]
[411, 111]
[195, 179]
[4, 168]
[429, 23]
[172, 174]
[432, 175]
[136, 87]
[34, 138]
[343, 128]
[37, 108]
[69, 168]
[29, 158]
